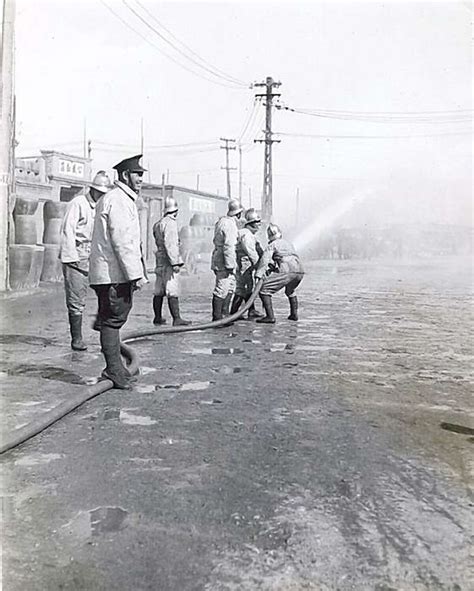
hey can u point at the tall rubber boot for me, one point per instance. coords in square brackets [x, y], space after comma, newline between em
[217, 304]
[236, 304]
[253, 313]
[226, 305]
[114, 371]
[157, 309]
[269, 317]
[173, 304]
[75, 326]
[293, 308]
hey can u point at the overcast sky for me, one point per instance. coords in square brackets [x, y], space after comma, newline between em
[78, 60]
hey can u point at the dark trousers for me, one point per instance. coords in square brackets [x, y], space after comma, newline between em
[115, 303]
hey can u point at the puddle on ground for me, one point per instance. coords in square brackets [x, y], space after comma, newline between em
[129, 419]
[216, 351]
[146, 370]
[14, 339]
[35, 459]
[253, 341]
[46, 372]
[213, 401]
[145, 389]
[457, 428]
[111, 413]
[226, 370]
[102, 520]
[193, 386]
[30, 403]
[3, 374]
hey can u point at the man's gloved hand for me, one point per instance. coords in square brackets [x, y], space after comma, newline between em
[176, 268]
[139, 283]
[229, 271]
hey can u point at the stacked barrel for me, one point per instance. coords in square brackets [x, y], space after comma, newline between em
[29, 261]
[53, 213]
[25, 255]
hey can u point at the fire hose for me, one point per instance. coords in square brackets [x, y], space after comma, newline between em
[23, 434]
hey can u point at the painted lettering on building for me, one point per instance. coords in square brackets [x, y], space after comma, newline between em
[70, 168]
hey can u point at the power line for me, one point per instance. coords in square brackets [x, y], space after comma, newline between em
[236, 80]
[430, 117]
[374, 137]
[171, 44]
[160, 50]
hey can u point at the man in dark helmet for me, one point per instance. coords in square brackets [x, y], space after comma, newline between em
[168, 264]
[116, 263]
[281, 267]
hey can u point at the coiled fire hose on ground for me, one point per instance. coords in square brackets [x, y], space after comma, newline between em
[19, 436]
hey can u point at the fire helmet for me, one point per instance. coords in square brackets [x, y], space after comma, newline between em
[101, 182]
[171, 205]
[251, 216]
[234, 207]
[273, 232]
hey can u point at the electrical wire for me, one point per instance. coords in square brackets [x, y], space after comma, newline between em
[171, 44]
[160, 50]
[429, 117]
[214, 68]
[374, 137]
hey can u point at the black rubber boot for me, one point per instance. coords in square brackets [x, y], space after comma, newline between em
[173, 304]
[269, 317]
[236, 304]
[293, 308]
[226, 305]
[157, 308]
[114, 371]
[253, 313]
[75, 325]
[217, 304]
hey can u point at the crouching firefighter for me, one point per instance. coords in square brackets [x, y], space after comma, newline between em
[74, 252]
[168, 265]
[249, 252]
[224, 261]
[281, 268]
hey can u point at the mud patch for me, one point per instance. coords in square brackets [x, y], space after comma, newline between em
[96, 522]
[453, 428]
[46, 372]
[22, 339]
[129, 419]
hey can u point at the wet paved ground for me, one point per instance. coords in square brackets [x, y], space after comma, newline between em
[332, 453]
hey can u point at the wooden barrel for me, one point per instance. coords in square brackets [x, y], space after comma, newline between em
[54, 209]
[53, 213]
[25, 206]
[25, 229]
[26, 263]
[52, 270]
[52, 231]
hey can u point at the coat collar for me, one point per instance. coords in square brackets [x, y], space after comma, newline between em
[90, 201]
[126, 189]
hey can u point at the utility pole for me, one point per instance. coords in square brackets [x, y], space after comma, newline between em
[7, 133]
[89, 149]
[268, 96]
[197, 182]
[240, 173]
[227, 168]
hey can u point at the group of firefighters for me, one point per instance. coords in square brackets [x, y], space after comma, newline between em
[101, 247]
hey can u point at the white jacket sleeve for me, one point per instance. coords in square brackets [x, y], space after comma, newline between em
[249, 246]
[229, 246]
[68, 250]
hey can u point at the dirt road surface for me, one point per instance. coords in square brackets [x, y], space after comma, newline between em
[331, 453]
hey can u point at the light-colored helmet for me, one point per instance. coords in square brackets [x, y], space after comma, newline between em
[234, 207]
[101, 182]
[273, 232]
[171, 205]
[251, 215]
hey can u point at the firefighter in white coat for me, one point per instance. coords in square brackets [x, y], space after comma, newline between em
[249, 252]
[224, 260]
[117, 268]
[168, 265]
